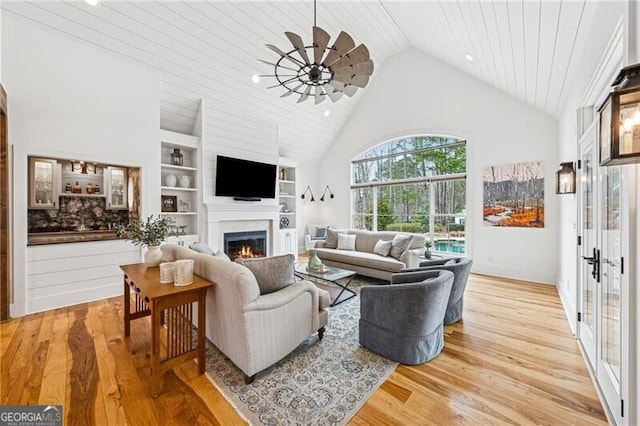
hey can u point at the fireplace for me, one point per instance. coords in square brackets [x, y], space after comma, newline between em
[245, 244]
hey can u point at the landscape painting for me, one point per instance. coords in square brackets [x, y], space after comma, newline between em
[514, 195]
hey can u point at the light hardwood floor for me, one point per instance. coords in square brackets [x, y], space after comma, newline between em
[511, 360]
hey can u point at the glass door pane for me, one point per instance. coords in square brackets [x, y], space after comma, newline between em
[587, 285]
[43, 179]
[611, 256]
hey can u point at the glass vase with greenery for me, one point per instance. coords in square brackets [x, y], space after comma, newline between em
[150, 232]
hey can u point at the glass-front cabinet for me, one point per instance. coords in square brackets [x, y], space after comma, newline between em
[116, 188]
[44, 185]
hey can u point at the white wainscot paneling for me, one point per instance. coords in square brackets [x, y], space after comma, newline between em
[66, 274]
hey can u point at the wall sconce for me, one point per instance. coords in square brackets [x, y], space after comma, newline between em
[619, 138]
[325, 191]
[309, 191]
[566, 179]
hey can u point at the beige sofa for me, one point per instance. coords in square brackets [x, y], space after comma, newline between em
[253, 330]
[364, 261]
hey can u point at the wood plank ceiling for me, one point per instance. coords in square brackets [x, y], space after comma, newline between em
[209, 49]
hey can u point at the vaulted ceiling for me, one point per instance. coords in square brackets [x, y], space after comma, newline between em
[209, 50]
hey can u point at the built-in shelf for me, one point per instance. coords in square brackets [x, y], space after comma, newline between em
[287, 201]
[183, 168]
[178, 188]
[185, 198]
[71, 194]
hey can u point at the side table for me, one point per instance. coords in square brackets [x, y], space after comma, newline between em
[172, 314]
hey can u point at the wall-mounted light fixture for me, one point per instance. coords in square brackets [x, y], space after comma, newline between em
[325, 192]
[566, 179]
[619, 138]
[309, 191]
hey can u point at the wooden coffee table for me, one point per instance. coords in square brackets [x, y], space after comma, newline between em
[333, 275]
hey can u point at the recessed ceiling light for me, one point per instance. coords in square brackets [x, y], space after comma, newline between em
[255, 78]
[469, 57]
[92, 2]
[327, 112]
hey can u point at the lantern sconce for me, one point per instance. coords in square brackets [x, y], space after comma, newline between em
[309, 191]
[325, 192]
[619, 116]
[566, 179]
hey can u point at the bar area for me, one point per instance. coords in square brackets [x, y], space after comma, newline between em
[75, 201]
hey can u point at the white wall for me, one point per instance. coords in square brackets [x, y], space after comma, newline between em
[70, 100]
[257, 140]
[414, 93]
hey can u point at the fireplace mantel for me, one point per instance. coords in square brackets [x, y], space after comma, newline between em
[220, 215]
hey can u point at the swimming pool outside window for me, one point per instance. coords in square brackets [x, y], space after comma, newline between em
[413, 184]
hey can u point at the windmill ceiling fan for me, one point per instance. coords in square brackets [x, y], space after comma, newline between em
[334, 71]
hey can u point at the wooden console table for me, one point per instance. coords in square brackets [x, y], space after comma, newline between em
[172, 310]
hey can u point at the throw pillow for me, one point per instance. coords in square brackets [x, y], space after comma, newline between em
[201, 248]
[382, 248]
[346, 242]
[222, 255]
[332, 239]
[399, 244]
[272, 273]
[321, 234]
[449, 262]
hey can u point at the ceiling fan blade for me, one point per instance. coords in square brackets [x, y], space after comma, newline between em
[350, 90]
[284, 55]
[337, 85]
[344, 75]
[333, 94]
[343, 44]
[320, 42]
[276, 65]
[364, 68]
[298, 44]
[305, 95]
[320, 94]
[360, 81]
[290, 91]
[358, 55]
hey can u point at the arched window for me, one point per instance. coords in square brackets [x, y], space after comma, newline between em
[413, 184]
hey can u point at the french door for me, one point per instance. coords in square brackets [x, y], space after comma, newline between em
[600, 271]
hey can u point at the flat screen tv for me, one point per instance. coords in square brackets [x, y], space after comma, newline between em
[244, 179]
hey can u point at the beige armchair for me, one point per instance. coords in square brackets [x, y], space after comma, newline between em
[254, 330]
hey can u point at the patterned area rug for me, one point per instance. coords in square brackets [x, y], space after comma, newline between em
[320, 383]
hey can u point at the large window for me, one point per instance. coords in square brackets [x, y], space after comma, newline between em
[413, 184]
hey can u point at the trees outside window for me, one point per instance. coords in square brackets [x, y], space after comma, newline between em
[413, 184]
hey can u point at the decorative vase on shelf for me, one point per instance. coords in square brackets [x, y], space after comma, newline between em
[185, 181]
[170, 180]
[153, 256]
[427, 253]
[314, 261]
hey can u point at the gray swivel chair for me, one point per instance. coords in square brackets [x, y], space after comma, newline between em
[404, 321]
[460, 266]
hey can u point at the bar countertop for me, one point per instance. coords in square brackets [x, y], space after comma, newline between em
[41, 238]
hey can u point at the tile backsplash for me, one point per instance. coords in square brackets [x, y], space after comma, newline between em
[76, 214]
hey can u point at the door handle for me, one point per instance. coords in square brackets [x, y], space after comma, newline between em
[595, 262]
